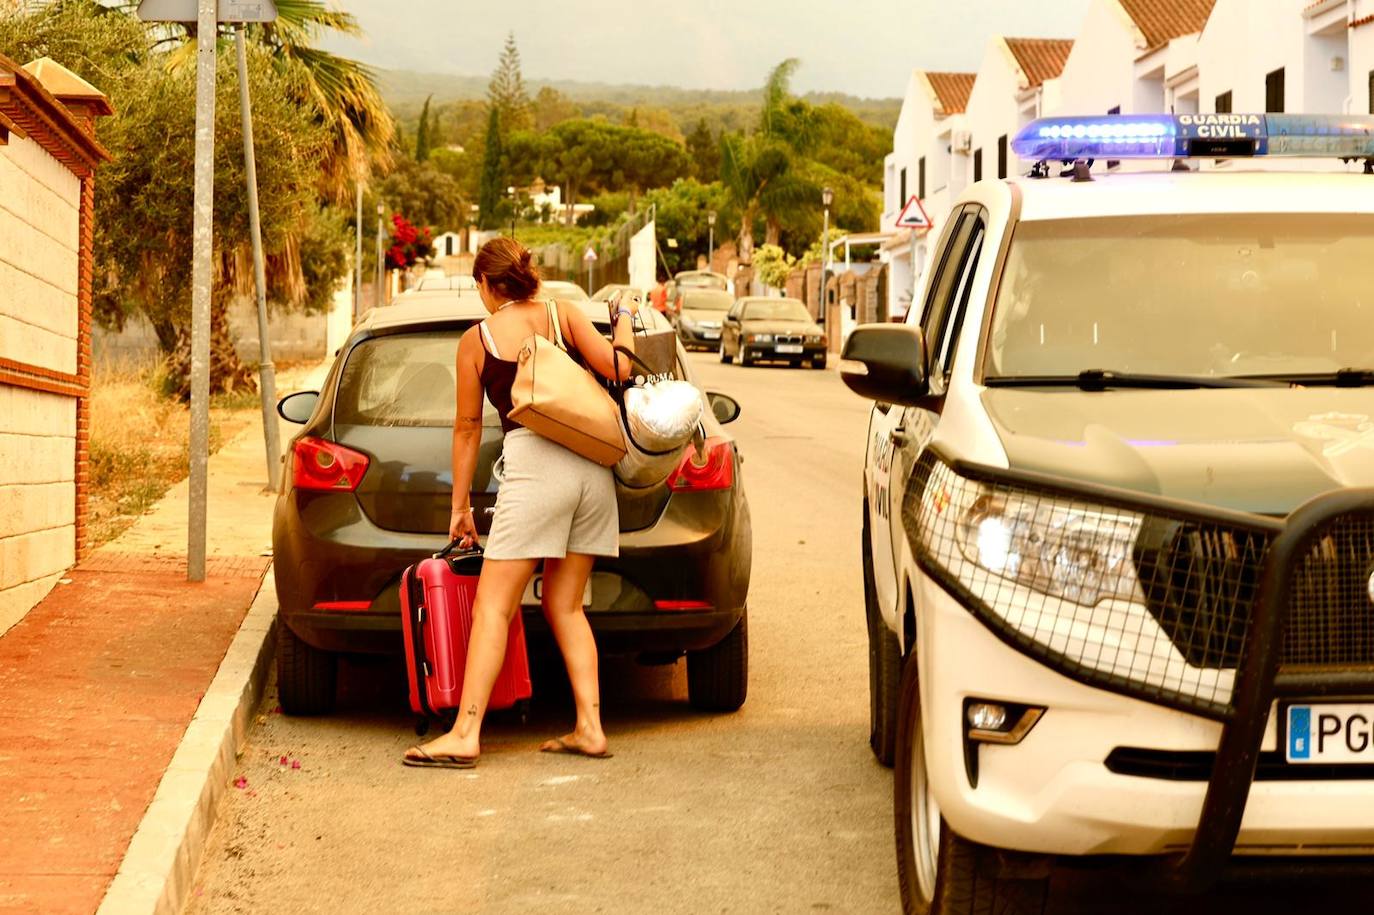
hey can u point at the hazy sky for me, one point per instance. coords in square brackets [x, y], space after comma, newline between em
[863, 47]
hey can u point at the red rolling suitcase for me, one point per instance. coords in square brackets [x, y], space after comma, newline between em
[437, 597]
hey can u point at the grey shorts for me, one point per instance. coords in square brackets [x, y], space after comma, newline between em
[552, 502]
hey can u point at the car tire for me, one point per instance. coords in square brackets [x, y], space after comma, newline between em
[724, 356]
[818, 363]
[884, 667]
[306, 676]
[745, 359]
[939, 871]
[718, 677]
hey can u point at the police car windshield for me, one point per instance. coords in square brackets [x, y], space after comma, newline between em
[1218, 295]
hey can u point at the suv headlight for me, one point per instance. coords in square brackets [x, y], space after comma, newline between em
[1075, 552]
[1100, 593]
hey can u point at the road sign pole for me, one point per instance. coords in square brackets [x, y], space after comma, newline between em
[267, 380]
[202, 276]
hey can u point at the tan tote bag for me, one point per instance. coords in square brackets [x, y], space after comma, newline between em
[555, 397]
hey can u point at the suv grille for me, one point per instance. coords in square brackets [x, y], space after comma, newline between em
[1331, 616]
[1200, 583]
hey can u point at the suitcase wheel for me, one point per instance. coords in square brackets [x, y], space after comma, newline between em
[421, 726]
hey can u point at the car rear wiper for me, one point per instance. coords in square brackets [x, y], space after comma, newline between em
[1341, 378]
[1102, 379]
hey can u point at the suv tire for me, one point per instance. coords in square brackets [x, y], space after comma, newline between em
[306, 676]
[948, 874]
[884, 666]
[718, 677]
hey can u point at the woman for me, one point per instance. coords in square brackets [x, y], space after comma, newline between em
[553, 505]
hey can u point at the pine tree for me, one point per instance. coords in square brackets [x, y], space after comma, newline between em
[493, 184]
[506, 91]
[422, 138]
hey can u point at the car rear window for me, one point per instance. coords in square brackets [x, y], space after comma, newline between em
[402, 380]
[706, 300]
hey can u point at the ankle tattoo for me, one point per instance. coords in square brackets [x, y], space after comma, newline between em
[472, 711]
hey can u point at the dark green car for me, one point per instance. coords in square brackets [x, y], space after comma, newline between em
[759, 328]
[367, 492]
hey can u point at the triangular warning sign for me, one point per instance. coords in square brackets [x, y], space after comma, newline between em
[914, 216]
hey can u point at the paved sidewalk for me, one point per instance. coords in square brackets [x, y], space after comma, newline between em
[99, 682]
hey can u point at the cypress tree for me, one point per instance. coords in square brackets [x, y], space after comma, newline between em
[493, 183]
[423, 140]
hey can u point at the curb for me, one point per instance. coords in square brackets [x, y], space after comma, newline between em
[160, 864]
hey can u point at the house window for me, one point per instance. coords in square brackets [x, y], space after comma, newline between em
[902, 192]
[921, 177]
[977, 165]
[1002, 156]
[1273, 92]
[1224, 103]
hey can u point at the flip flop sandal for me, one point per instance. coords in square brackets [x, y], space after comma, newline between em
[573, 750]
[439, 761]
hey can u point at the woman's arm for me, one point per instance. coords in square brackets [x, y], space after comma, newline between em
[467, 437]
[596, 349]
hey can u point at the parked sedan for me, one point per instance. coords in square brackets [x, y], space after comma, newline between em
[781, 330]
[605, 292]
[368, 487]
[700, 316]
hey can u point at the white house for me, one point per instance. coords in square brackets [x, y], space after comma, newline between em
[1016, 82]
[922, 164]
[448, 244]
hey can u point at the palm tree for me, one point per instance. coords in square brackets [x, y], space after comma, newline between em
[748, 168]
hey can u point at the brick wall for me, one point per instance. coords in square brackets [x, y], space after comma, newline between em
[41, 314]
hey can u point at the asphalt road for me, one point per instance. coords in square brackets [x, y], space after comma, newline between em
[779, 807]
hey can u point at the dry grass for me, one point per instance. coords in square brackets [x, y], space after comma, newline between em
[139, 442]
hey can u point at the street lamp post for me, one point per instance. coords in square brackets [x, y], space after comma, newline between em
[381, 211]
[827, 198]
[510, 192]
[710, 238]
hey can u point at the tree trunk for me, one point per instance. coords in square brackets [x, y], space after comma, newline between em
[167, 336]
[227, 371]
[773, 235]
[572, 198]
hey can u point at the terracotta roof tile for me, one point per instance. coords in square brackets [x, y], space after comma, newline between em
[1161, 21]
[1040, 58]
[951, 90]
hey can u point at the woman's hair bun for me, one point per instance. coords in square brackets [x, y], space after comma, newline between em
[508, 267]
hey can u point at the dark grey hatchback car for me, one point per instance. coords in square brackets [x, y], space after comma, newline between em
[367, 492]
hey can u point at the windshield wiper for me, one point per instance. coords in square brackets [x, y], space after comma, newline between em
[1341, 378]
[1102, 379]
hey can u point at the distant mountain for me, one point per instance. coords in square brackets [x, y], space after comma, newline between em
[407, 89]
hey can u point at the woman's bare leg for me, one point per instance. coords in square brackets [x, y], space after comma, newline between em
[564, 583]
[498, 599]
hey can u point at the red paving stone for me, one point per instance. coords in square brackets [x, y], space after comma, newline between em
[97, 685]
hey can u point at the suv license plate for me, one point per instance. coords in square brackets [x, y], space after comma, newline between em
[534, 592]
[789, 348]
[1330, 733]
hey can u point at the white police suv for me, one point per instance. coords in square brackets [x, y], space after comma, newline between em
[1119, 515]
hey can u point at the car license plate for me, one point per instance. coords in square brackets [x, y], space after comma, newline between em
[1330, 733]
[534, 592]
[789, 348]
[710, 335]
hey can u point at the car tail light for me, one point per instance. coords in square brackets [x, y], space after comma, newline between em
[326, 466]
[713, 469]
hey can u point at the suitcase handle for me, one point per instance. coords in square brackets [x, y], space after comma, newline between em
[474, 550]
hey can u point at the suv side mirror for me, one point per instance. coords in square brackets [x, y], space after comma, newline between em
[298, 407]
[891, 364]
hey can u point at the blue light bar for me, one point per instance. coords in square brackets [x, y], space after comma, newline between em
[1215, 136]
